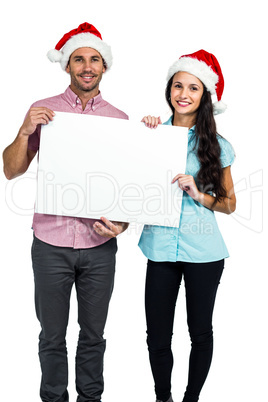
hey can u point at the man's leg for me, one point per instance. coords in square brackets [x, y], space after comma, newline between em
[54, 277]
[94, 286]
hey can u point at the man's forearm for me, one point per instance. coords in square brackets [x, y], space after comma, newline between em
[15, 157]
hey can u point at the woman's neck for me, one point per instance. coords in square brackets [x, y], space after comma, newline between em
[184, 121]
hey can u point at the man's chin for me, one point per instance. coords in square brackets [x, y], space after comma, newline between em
[87, 88]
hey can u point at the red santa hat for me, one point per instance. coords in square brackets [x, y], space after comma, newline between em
[206, 67]
[86, 35]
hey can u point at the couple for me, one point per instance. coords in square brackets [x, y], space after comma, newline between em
[85, 255]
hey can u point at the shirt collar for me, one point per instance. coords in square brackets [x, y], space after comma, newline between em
[70, 97]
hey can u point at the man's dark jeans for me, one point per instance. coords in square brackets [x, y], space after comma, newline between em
[56, 270]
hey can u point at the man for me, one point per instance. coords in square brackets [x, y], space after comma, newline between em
[69, 250]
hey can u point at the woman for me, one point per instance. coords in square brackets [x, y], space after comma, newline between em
[196, 249]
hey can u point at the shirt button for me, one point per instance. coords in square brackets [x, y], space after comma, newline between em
[93, 108]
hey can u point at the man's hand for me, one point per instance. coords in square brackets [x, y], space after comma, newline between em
[35, 116]
[17, 157]
[109, 229]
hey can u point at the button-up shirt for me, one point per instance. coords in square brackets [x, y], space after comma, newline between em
[198, 238]
[67, 231]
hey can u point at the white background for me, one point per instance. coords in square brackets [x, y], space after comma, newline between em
[146, 38]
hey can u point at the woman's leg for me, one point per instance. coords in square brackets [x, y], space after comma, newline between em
[162, 285]
[201, 284]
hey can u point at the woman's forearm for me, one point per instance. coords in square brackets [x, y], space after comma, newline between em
[226, 205]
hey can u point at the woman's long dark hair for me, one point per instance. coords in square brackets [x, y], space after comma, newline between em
[210, 175]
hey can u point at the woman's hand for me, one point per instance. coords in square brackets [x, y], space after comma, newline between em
[151, 121]
[187, 184]
[226, 205]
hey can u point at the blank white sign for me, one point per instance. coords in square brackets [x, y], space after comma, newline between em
[91, 166]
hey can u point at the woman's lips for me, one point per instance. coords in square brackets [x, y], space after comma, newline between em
[183, 103]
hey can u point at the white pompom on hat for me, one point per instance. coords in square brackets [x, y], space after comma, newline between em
[86, 35]
[204, 66]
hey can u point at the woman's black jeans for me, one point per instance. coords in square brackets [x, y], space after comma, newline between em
[162, 286]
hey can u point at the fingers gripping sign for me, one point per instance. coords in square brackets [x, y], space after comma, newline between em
[187, 184]
[109, 229]
[151, 121]
[35, 116]
[17, 156]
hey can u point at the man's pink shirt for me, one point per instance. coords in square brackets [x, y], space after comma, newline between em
[67, 231]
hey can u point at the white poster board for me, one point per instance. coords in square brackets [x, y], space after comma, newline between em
[92, 166]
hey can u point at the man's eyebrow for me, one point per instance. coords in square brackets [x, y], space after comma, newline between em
[81, 57]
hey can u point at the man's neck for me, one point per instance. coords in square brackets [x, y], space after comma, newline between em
[85, 96]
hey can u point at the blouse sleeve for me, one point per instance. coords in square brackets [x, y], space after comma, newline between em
[227, 152]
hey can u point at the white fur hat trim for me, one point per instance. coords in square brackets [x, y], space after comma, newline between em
[197, 68]
[85, 39]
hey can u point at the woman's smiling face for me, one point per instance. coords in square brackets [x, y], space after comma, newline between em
[186, 93]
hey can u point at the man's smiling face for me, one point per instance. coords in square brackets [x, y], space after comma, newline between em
[85, 68]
